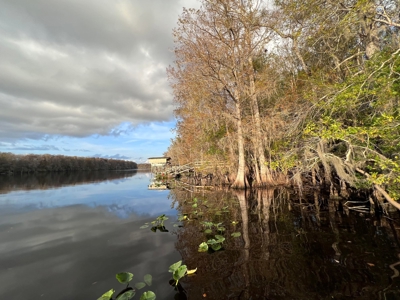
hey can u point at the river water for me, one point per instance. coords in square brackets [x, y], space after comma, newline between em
[65, 236]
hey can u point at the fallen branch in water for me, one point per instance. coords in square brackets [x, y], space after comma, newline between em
[381, 190]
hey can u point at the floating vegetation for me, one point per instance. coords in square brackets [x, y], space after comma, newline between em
[215, 244]
[210, 225]
[158, 224]
[179, 271]
[236, 234]
[130, 292]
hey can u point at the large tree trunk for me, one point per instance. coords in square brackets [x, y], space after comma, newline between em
[241, 180]
[260, 147]
[258, 141]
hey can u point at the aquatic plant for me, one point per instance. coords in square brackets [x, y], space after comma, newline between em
[236, 234]
[158, 224]
[129, 292]
[210, 225]
[179, 271]
[215, 244]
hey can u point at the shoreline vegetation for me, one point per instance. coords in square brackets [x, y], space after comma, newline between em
[32, 163]
[301, 93]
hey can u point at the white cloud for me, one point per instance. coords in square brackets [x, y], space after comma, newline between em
[78, 68]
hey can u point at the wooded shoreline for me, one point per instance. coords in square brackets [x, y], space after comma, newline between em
[298, 93]
[31, 163]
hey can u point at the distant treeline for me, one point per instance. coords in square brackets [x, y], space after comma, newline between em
[12, 163]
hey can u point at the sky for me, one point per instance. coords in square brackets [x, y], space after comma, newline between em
[87, 78]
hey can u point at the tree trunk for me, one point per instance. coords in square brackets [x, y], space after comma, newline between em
[241, 180]
[258, 140]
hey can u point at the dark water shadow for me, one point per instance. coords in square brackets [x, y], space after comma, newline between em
[51, 180]
[287, 249]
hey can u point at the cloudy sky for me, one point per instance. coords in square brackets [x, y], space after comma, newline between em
[87, 78]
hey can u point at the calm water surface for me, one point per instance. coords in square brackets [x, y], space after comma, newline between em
[66, 236]
[68, 241]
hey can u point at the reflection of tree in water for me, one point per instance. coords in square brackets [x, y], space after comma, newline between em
[44, 181]
[288, 249]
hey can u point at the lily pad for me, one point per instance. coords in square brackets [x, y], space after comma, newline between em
[208, 224]
[174, 267]
[180, 272]
[149, 295]
[124, 277]
[162, 218]
[219, 238]
[107, 295]
[127, 295]
[140, 285]
[203, 247]
[148, 279]
[236, 234]
[216, 247]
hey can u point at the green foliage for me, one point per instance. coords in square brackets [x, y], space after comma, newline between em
[107, 295]
[160, 220]
[219, 238]
[215, 244]
[149, 295]
[207, 224]
[178, 271]
[236, 234]
[129, 292]
[124, 277]
[363, 112]
[203, 247]
[127, 295]
[140, 285]
[210, 225]
[158, 224]
[174, 266]
[148, 279]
